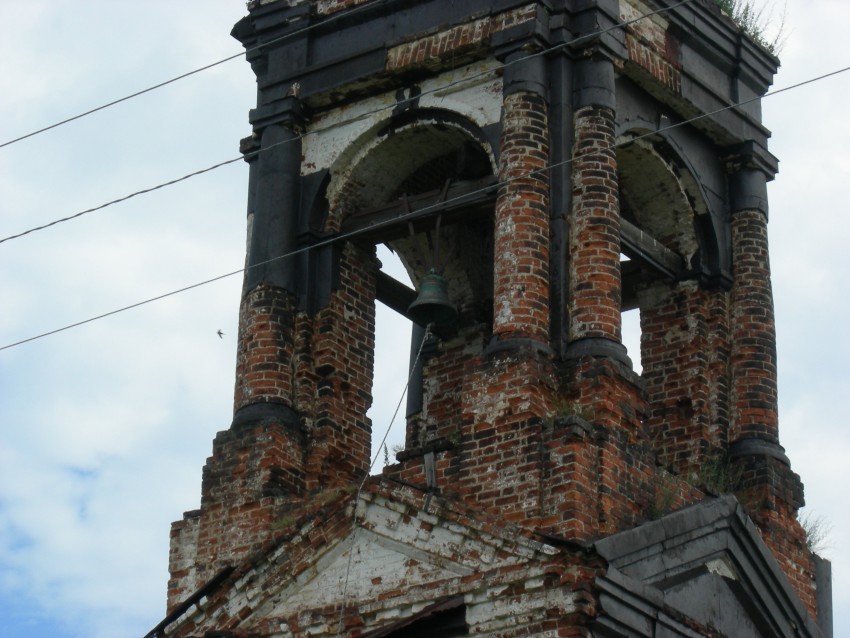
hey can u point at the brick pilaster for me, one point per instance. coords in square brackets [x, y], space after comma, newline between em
[595, 237]
[754, 394]
[766, 485]
[343, 351]
[594, 270]
[521, 234]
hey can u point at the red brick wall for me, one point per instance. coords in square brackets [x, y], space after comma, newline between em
[343, 355]
[676, 350]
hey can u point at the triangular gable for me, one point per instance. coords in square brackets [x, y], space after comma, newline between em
[702, 569]
[402, 537]
[404, 545]
[362, 566]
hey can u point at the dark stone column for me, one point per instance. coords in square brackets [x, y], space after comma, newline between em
[276, 195]
[264, 356]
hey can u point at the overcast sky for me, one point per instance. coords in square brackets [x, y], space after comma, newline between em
[104, 428]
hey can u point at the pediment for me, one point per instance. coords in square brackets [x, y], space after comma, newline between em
[363, 566]
[398, 541]
[705, 565]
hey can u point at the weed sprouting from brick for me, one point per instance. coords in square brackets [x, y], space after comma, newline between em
[818, 531]
[757, 22]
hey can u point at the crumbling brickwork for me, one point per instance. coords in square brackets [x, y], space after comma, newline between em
[594, 308]
[263, 363]
[521, 235]
[440, 130]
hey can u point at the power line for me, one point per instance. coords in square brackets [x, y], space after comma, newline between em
[122, 199]
[421, 212]
[118, 101]
[351, 120]
[125, 308]
[188, 74]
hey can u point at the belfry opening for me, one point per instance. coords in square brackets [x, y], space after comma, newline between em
[555, 165]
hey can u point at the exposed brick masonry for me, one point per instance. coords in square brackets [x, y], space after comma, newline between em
[343, 358]
[264, 355]
[676, 356]
[518, 459]
[753, 332]
[594, 304]
[456, 41]
[521, 237]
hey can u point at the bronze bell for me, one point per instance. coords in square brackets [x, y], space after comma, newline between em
[432, 305]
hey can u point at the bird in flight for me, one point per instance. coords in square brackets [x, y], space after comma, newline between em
[220, 334]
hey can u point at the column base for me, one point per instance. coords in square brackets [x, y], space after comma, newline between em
[598, 347]
[757, 447]
[517, 347]
[265, 412]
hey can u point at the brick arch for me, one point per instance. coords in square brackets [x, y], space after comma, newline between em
[374, 167]
[682, 318]
[413, 153]
[660, 193]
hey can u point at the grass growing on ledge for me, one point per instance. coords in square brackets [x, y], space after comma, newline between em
[756, 23]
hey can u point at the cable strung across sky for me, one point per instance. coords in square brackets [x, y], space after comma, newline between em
[409, 216]
[178, 78]
[357, 118]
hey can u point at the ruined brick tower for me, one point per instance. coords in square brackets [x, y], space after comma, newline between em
[559, 162]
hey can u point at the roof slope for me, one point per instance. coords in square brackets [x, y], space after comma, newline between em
[706, 563]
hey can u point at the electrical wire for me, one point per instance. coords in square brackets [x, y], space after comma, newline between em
[125, 308]
[122, 199]
[351, 120]
[182, 76]
[420, 212]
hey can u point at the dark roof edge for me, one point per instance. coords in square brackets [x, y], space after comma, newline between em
[722, 526]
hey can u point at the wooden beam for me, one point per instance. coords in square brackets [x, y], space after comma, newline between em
[634, 275]
[460, 199]
[394, 294]
[642, 246]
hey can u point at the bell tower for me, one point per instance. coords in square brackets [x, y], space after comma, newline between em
[543, 166]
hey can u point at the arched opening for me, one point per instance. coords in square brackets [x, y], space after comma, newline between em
[422, 190]
[668, 241]
[665, 235]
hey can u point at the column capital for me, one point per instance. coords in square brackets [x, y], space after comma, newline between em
[521, 49]
[288, 112]
[750, 167]
[594, 83]
[751, 155]
[525, 71]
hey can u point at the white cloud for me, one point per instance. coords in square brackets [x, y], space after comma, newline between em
[104, 429]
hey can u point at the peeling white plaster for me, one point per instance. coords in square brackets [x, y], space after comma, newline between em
[471, 91]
